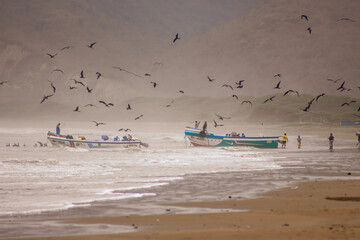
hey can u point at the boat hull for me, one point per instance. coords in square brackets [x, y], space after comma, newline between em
[68, 141]
[211, 140]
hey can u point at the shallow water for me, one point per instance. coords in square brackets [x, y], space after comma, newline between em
[66, 182]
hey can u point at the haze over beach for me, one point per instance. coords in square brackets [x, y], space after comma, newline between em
[259, 67]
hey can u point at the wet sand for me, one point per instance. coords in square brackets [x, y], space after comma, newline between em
[310, 210]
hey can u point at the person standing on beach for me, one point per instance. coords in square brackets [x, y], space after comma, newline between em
[58, 129]
[331, 141]
[299, 141]
[284, 140]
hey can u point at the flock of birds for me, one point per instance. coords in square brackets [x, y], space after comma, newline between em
[79, 83]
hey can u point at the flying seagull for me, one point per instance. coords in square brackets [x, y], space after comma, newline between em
[309, 30]
[304, 17]
[78, 82]
[89, 90]
[181, 91]
[341, 87]
[307, 108]
[348, 103]
[98, 75]
[82, 74]
[277, 75]
[97, 124]
[57, 70]
[154, 84]
[235, 96]
[319, 96]
[90, 105]
[227, 85]
[277, 85]
[52, 85]
[217, 125]
[169, 105]
[106, 104]
[125, 130]
[346, 19]
[122, 69]
[289, 91]
[128, 107]
[222, 117]
[210, 79]
[91, 45]
[46, 97]
[72, 88]
[332, 80]
[269, 99]
[138, 117]
[246, 101]
[51, 55]
[77, 109]
[67, 47]
[147, 75]
[176, 38]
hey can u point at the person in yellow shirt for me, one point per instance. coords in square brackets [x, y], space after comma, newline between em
[284, 140]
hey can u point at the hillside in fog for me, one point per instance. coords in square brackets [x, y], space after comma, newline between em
[225, 40]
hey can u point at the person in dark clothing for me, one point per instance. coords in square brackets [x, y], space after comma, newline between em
[58, 129]
[331, 141]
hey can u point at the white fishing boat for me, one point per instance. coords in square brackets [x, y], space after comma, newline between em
[58, 140]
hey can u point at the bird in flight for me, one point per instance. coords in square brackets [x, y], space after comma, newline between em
[289, 91]
[97, 124]
[210, 79]
[269, 99]
[332, 80]
[240, 84]
[77, 109]
[309, 30]
[319, 96]
[176, 38]
[91, 45]
[346, 19]
[51, 55]
[277, 75]
[90, 105]
[181, 91]
[72, 88]
[98, 75]
[78, 82]
[122, 69]
[67, 47]
[154, 84]
[1, 83]
[235, 96]
[307, 108]
[341, 87]
[147, 75]
[125, 130]
[348, 103]
[277, 85]
[247, 101]
[106, 104]
[52, 85]
[128, 107]
[217, 125]
[222, 117]
[304, 17]
[57, 70]
[89, 90]
[82, 74]
[138, 117]
[169, 105]
[227, 85]
[46, 97]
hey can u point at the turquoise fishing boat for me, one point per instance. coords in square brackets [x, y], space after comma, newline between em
[201, 138]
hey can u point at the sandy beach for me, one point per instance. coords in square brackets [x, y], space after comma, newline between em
[311, 210]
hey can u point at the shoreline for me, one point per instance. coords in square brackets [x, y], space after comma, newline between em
[307, 210]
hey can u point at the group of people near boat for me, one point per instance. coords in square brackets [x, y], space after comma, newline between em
[298, 141]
